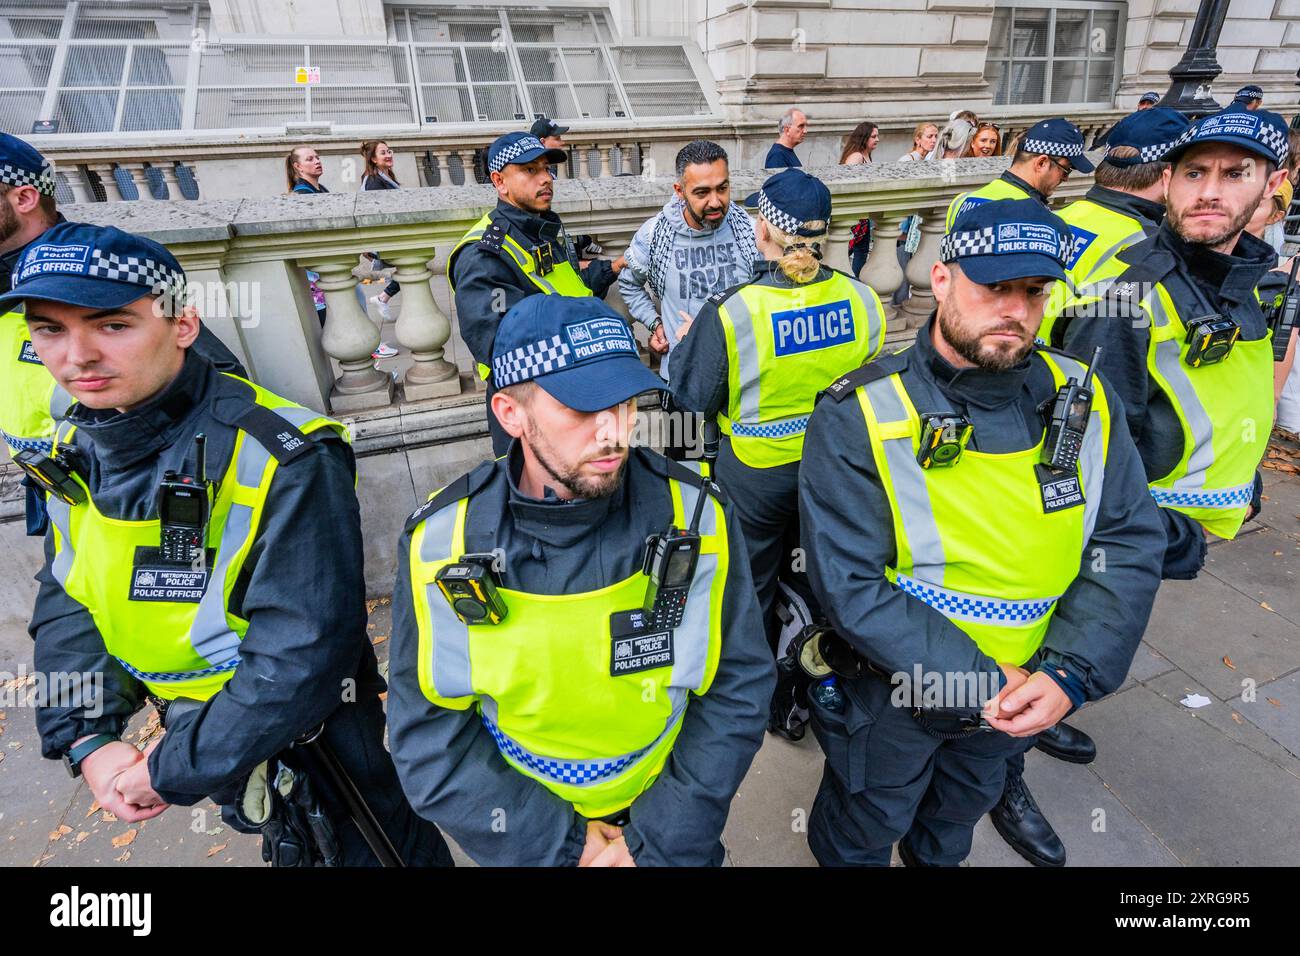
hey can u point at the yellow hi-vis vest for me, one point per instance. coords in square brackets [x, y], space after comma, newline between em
[1099, 233]
[1225, 409]
[995, 569]
[998, 189]
[562, 280]
[170, 626]
[31, 402]
[546, 680]
[784, 345]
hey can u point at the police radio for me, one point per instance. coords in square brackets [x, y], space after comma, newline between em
[943, 439]
[470, 586]
[1210, 339]
[54, 472]
[1281, 315]
[1069, 420]
[671, 557]
[184, 508]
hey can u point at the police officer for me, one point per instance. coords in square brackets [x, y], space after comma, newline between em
[240, 597]
[1125, 205]
[1185, 342]
[923, 575]
[758, 353]
[1249, 97]
[1048, 153]
[31, 402]
[518, 249]
[562, 723]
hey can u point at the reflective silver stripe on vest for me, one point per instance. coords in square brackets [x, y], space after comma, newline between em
[691, 639]
[1117, 247]
[875, 316]
[60, 513]
[60, 402]
[1169, 362]
[578, 773]
[742, 324]
[1092, 456]
[910, 495]
[451, 677]
[974, 607]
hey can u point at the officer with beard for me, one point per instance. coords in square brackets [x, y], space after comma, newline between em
[947, 553]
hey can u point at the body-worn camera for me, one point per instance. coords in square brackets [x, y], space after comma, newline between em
[943, 439]
[470, 586]
[1210, 339]
[54, 473]
[1069, 420]
[184, 508]
[669, 562]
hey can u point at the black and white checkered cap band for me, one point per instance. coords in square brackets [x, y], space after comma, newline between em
[135, 269]
[782, 220]
[1146, 154]
[512, 152]
[984, 242]
[529, 361]
[1048, 148]
[1274, 139]
[17, 176]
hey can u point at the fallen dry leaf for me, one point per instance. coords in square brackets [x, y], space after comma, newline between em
[216, 849]
[61, 832]
[82, 835]
[93, 807]
[1236, 716]
[107, 817]
[380, 639]
[1274, 702]
[126, 839]
[1264, 605]
[1227, 660]
[124, 857]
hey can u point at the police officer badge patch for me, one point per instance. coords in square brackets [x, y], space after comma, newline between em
[633, 648]
[155, 580]
[1059, 491]
[28, 354]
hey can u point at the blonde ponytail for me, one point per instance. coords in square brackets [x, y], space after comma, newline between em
[801, 260]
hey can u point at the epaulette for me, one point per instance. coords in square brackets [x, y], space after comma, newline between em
[493, 237]
[846, 385]
[720, 297]
[464, 486]
[283, 440]
[1136, 281]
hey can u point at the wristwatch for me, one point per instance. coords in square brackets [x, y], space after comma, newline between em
[72, 759]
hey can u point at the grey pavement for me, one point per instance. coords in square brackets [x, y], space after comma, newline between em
[1172, 785]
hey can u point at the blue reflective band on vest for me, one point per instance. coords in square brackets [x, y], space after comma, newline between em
[1082, 240]
[162, 677]
[791, 426]
[43, 445]
[812, 328]
[969, 203]
[972, 608]
[1225, 498]
[563, 771]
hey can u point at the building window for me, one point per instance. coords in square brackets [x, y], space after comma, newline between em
[1063, 52]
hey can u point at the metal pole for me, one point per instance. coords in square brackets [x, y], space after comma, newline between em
[1190, 79]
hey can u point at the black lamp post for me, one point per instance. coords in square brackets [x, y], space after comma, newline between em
[1189, 89]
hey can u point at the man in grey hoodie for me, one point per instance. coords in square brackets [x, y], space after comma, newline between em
[698, 244]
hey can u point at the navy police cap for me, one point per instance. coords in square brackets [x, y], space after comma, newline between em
[579, 349]
[22, 165]
[791, 199]
[1258, 131]
[1008, 239]
[1151, 132]
[1248, 93]
[519, 148]
[1057, 137]
[1150, 96]
[95, 267]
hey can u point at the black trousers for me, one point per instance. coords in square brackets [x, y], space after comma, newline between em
[766, 500]
[886, 780]
[355, 733]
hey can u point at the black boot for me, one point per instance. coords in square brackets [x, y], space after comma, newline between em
[1019, 821]
[1067, 743]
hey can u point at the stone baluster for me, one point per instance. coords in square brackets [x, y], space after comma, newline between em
[349, 337]
[141, 181]
[423, 328]
[921, 304]
[78, 183]
[454, 160]
[108, 180]
[882, 271]
[604, 151]
[173, 185]
[835, 247]
[435, 169]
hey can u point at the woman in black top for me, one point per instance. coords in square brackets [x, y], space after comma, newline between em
[380, 174]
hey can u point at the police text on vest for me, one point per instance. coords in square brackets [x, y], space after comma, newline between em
[811, 328]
